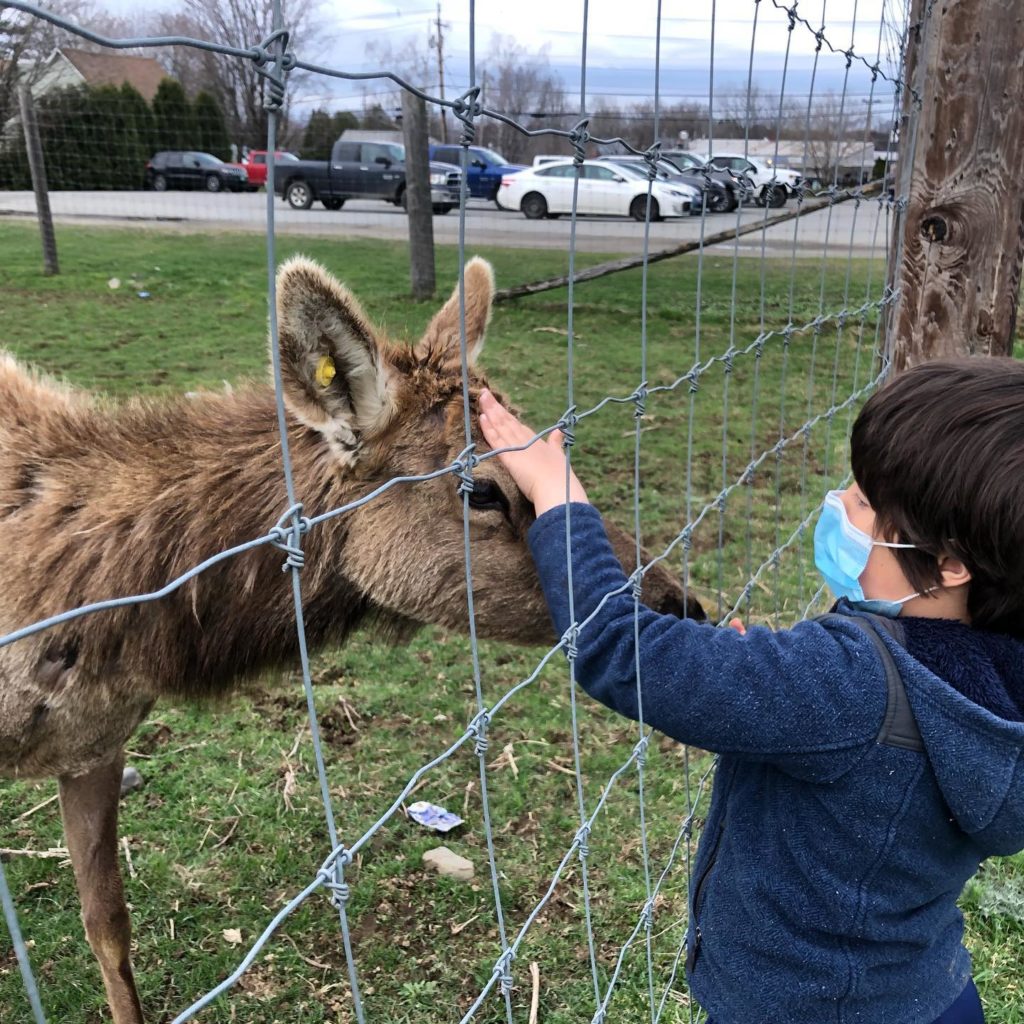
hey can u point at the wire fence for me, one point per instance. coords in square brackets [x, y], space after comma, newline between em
[804, 347]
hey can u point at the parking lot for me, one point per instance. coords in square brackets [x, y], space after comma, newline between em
[866, 229]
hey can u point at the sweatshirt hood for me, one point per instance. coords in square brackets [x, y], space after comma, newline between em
[966, 688]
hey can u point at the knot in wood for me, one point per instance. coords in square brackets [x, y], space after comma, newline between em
[934, 228]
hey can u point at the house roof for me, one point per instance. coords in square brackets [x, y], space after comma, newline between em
[144, 73]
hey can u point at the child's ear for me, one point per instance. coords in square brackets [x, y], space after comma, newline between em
[954, 572]
[334, 373]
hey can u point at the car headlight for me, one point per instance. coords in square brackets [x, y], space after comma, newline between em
[439, 178]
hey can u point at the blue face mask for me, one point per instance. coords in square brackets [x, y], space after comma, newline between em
[841, 553]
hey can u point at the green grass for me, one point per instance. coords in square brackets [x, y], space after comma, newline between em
[229, 825]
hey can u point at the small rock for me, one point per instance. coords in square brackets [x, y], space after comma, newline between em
[444, 862]
[130, 780]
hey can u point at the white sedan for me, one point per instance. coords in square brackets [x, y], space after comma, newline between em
[547, 191]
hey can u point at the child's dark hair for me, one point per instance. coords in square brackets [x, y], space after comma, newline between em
[939, 454]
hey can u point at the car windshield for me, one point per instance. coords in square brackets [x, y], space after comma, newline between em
[285, 157]
[395, 151]
[206, 160]
[491, 156]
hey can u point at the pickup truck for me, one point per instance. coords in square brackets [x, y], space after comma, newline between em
[485, 171]
[361, 170]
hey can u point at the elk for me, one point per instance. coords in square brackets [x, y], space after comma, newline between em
[100, 500]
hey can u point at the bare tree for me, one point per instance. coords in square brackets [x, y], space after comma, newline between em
[236, 84]
[839, 145]
[523, 86]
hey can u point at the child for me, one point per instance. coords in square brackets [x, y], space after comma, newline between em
[865, 771]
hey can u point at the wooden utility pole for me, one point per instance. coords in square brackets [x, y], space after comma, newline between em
[438, 41]
[37, 168]
[958, 246]
[417, 196]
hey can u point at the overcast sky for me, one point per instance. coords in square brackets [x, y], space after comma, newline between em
[621, 42]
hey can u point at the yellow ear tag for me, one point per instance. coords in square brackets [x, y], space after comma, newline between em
[325, 371]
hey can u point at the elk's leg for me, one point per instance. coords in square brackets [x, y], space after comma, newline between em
[89, 805]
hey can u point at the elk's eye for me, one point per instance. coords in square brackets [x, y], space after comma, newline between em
[486, 494]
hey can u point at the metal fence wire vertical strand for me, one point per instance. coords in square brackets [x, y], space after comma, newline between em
[644, 733]
[467, 113]
[579, 142]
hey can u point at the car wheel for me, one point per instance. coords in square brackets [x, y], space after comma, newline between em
[638, 209]
[777, 196]
[159, 183]
[442, 208]
[299, 195]
[333, 203]
[403, 200]
[493, 197]
[534, 206]
[721, 201]
[213, 183]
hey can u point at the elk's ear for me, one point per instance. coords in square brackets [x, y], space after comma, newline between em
[334, 374]
[440, 343]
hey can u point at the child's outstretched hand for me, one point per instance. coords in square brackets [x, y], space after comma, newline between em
[539, 470]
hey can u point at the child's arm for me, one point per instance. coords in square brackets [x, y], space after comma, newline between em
[784, 694]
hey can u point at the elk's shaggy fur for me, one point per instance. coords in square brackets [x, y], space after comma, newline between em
[100, 500]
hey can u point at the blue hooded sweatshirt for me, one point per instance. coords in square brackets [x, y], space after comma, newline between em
[827, 875]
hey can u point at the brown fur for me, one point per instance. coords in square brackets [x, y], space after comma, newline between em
[99, 501]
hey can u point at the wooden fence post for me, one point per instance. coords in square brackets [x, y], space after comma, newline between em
[37, 168]
[417, 195]
[958, 245]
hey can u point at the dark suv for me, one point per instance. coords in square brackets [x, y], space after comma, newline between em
[187, 169]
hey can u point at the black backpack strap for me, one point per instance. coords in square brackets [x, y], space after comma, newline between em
[899, 727]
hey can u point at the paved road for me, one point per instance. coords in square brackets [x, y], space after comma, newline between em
[865, 229]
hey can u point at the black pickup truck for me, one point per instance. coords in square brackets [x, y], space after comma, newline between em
[361, 170]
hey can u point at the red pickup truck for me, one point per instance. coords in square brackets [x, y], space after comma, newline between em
[255, 164]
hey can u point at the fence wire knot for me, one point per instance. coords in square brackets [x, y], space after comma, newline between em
[567, 425]
[639, 398]
[647, 915]
[466, 108]
[479, 727]
[339, 892]
[578, 139]
[503, 971]
[651, 157]
[463, 468]
[286, 536]
[583, 841]
[636, 580]
[282, 62]
[569, 638]
[641, 751]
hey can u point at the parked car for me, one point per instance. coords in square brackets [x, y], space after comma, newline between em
[361, 170]
[547, 191]
[255, 165]
[720, 198]
[188, 169]
[741, 186]
[772, 185]
[485, 168]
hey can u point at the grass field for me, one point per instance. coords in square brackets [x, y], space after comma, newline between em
[229, 826]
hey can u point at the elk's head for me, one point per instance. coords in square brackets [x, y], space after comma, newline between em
[385, 410]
